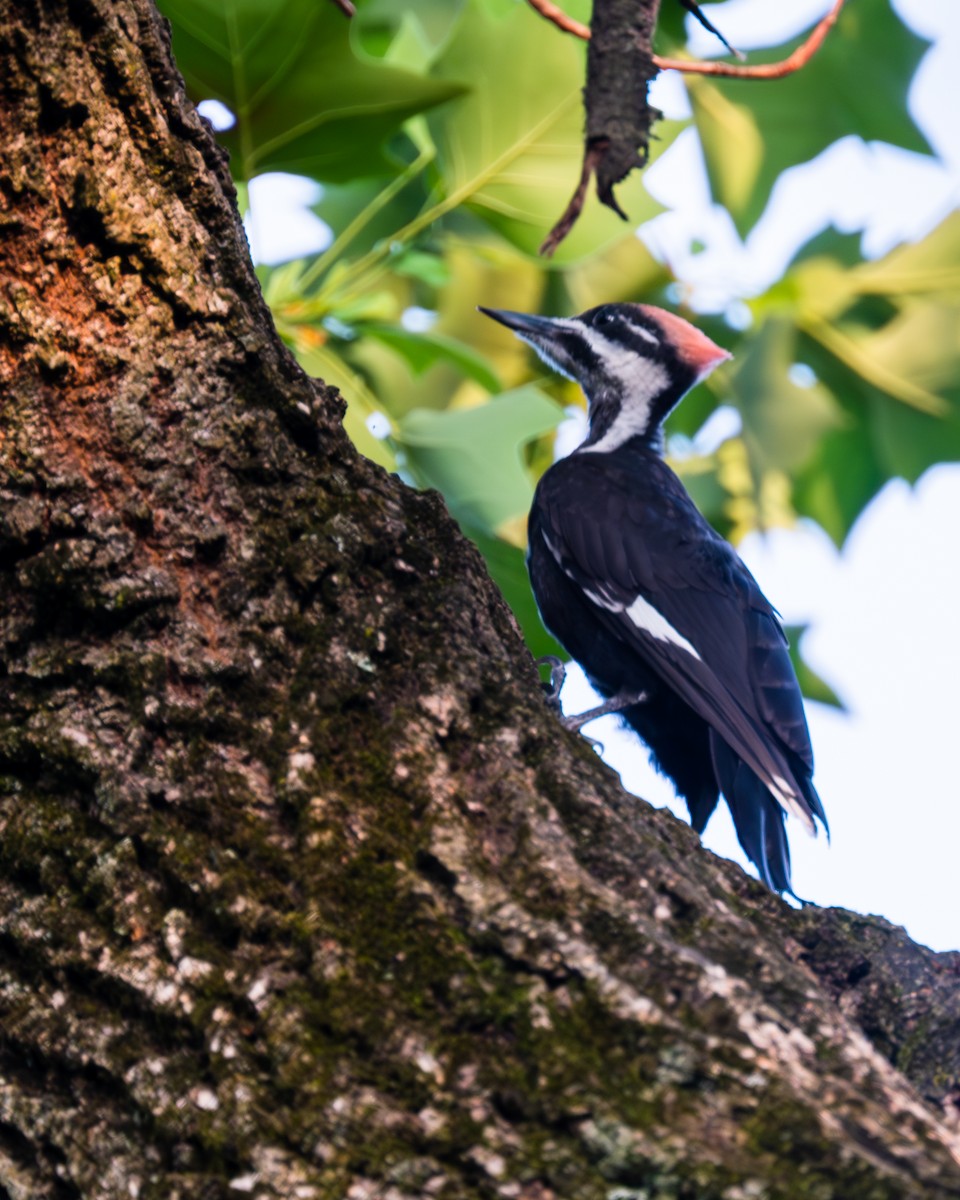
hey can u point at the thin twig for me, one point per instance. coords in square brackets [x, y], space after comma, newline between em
[692, 7]
[559, 18]
[793, 62]
[556, 235]
[346, 7]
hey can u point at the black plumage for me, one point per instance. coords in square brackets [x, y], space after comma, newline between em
[646, 596]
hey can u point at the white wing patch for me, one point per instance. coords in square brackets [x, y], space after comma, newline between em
[654, 623]
[603, 601]
[646, 617]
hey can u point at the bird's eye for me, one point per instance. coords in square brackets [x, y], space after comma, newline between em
[607, 318]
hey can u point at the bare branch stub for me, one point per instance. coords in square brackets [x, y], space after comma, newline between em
[692, 7]
[620, 66]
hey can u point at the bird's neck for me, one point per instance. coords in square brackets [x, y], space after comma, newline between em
[616, 421]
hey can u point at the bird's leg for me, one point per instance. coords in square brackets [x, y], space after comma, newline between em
[558, 673]
[615, 704]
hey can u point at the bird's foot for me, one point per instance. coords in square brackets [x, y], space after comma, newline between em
[554, 685]
[615, 704]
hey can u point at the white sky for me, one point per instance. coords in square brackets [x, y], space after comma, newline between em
[883, 614]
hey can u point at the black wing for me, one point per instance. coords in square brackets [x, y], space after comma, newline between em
[663, 582]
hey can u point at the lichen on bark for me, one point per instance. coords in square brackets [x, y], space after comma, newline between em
[302, 890]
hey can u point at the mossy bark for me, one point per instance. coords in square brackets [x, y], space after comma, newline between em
[303, 892]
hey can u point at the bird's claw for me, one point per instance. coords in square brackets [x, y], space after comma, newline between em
[554, 685]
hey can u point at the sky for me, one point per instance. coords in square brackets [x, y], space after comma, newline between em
[883, 613]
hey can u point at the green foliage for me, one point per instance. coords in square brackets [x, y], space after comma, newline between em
[447, 136]
[752, 131]
[302, 100]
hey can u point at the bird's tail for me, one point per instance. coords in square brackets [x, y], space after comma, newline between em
[757, 817]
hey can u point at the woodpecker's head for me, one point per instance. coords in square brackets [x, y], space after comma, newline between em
[633, 361]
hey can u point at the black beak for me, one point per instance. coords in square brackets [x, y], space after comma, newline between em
[523, 324]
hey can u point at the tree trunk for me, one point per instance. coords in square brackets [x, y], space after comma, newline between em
[304, 891]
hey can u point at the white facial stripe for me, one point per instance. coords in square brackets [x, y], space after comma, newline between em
[640, 380]
[644, 333]
[646, 617]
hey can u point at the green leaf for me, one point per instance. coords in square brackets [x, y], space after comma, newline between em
[845, 474]
[813, 686]
[783, 422]
[923, 345]
[340, 204]
[511, 148]
[857, 83]
[625, 270]
[422, 350]
[408, 37]
[929, 267]
[474, 456]
[322, 363]
[304, 101]
[508, 569]
[427, 268]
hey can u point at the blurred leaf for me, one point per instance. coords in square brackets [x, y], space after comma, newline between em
[422, 350]
[303, 100]
[736, 180]
[844, 475]
[508, 567]
[474, 456]
[491, 272]
[843, 248]
[511, 148]
[929, 267]
[322, 363]
[813, 686]
[923, 344]
[857, 83]
[701, 478]
[783, 422]
[623, 271]
[428, 268]
[340, 203]
[408, 37]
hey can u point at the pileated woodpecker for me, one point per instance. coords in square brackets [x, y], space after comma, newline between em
[658, 609]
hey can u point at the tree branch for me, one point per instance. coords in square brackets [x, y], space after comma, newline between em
[556, 16]
[778, 70]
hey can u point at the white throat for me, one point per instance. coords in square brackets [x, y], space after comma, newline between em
[641, 380]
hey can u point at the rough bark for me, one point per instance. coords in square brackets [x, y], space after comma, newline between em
[619, 117]
[303, 893]
[620, 68]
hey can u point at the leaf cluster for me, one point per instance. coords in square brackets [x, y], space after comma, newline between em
[446, 135]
